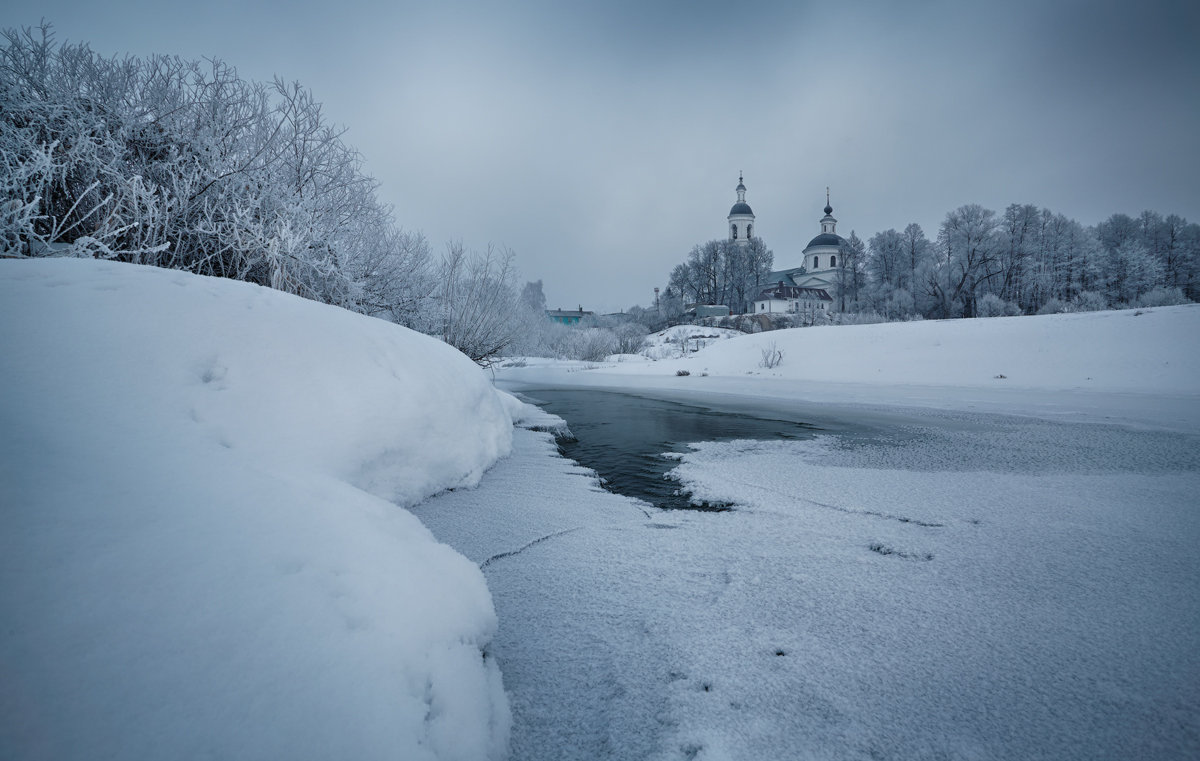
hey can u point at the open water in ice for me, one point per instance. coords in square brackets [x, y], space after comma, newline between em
[624, 437]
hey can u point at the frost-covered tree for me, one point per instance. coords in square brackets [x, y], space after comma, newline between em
[533, 297]
[670, 306]
[186, 165]
[886, 267]
[1132, 271]
[723, 272]
[476, 308]
[851, 273]
[895, 263]
[970, 246]
[1031, 261]
[1019, 230]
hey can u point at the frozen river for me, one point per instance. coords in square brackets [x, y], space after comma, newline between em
[888, 584]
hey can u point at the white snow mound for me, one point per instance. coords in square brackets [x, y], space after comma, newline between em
[199, 551]
[1119, 351]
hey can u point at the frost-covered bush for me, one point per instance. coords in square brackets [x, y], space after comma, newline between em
[585, 344]
[744, 323]
[631, 337]
[992, 305]
[1161, 297]
[475, 308]
[860, 318]
[772, 356]
[186, 165]
[1089, 301]
[595, 344]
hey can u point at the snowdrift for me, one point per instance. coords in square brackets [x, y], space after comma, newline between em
[200, 554]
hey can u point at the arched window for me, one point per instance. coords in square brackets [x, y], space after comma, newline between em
[833, 261]
[735, 232]
[815, 260]
[749, 234]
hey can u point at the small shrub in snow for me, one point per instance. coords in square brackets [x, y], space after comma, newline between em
[772, 356]
[860, 318]
[681, 373]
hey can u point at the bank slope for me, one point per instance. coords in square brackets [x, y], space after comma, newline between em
[201, 552]
[1134, 366]
[1152, 350]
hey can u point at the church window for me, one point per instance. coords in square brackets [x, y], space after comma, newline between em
[749, 234]
[735, 232]
[815, 260]
[833, 261]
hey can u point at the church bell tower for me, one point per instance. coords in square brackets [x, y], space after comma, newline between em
[741, 218]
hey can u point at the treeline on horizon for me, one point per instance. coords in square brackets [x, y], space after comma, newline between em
[1025, 260]
[185, 165]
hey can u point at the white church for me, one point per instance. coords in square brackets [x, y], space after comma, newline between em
[809, 288]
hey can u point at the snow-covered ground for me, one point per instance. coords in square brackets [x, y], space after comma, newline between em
[966, 589]
[957, 568]
[682, 340]
[1134, 366]
[201, 552]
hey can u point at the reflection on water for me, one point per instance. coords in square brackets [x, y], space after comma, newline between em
[623, 437]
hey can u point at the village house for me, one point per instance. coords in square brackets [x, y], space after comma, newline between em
[568, 316]
[793, 299]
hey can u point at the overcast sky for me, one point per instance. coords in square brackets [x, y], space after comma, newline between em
[601, 141]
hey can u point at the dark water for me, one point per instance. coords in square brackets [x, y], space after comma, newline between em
[623, 437]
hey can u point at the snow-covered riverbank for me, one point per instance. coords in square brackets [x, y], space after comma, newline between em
[204, 549]
[970, 585]
[199, 552]
[991, 571]
[1135, 367]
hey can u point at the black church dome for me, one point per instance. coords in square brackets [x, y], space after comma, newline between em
[825, 239]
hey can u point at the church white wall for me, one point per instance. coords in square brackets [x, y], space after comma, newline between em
[824, 253]
[742, 222]
[790, 306]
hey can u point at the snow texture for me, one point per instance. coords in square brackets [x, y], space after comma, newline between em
[530, 417]
[1135, 367]
[960, 567]
[680, 340]
[202, 552]
[939, 596]
[965, 588]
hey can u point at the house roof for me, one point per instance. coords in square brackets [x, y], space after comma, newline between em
[787, 277]
[787, 292]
